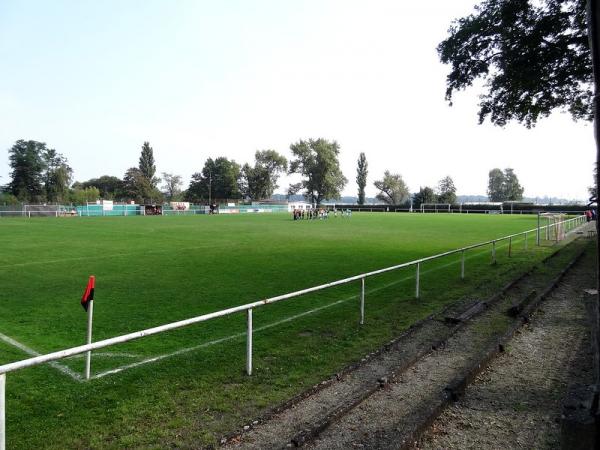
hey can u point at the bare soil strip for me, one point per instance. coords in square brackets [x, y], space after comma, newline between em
[384, 401]
[516, 402]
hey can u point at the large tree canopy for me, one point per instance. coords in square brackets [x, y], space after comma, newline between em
[446, 191]
[110, 187]
[533, 56]
[219, 180]
[425, 195]
[260, 181]
[392, 189]
[317, 161]
[504, 186]
[38, 173]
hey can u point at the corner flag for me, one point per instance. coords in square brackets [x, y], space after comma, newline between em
[88, 295]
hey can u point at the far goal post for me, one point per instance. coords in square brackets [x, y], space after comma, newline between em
[436, 207]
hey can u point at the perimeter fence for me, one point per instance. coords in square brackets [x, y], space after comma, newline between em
[552, 231]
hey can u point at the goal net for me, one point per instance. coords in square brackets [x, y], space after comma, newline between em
[555, 230]
[435, 207]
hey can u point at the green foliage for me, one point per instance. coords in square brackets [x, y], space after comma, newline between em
[425, 195]
[259, 182]
[532, 56]
[38, 173]
[57, 176]
[27, 166]
[446, 191]
[219, 180]
[80, 196]
[393, 189]
[172, 186]
[8, 199]
[361, 177]
[137, 187]
[146, 166]
[317, 161]
[504, 186]
[111, 188]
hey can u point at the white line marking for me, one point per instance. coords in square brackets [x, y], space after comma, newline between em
[106, 355]
[274, 324]
[60, 367]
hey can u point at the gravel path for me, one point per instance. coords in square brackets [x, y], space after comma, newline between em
[516, 402]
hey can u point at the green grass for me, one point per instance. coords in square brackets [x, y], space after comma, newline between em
[154, 270]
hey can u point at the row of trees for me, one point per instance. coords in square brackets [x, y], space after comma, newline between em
[40, 174]
[502, 186]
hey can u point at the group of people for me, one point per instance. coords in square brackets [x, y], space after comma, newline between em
[590, 215]
[320, 213]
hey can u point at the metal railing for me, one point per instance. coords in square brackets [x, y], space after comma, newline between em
[567, 225]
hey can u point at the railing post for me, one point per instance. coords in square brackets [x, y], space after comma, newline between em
[509, 246]
[493, 252]
[462, 265]
[417, 280]
[2, 411]
[249, 341]
[362, 301]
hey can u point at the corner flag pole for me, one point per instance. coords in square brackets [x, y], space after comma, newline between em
[88, 355]
[87, 301]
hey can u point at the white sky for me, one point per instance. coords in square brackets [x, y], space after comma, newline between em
[205, 79]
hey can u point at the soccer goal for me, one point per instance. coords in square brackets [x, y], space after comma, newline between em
[43, 210]
[555, 230]
[436, 207]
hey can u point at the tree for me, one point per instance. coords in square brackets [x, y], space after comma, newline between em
[27, 166]
[317, 161]
[392, 189]
[592, 189]
[172, 185]
[110, 187]
[260, 181]
[57, 176]
[219, 179]
[504, 186]
[425, 195]
[533, 57]
[136, 186]
[496, 185]
[146, 166]
[80, 196]
[513, 190]
[361, 177]
[446, 191]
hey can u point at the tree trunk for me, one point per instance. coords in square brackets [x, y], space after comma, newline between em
[593, 16]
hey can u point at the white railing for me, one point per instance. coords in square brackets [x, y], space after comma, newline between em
[567, 225]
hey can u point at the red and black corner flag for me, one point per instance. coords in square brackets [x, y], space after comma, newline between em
[88, 295]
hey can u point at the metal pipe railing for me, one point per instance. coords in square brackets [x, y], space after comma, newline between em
[61, 354]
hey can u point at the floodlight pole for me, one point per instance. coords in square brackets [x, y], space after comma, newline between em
[88, 355]
[209, 187]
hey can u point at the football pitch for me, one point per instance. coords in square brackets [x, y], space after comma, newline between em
[184, 387]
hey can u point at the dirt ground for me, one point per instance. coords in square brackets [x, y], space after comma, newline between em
[516, 402]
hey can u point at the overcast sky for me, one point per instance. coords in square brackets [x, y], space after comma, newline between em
[198, 79]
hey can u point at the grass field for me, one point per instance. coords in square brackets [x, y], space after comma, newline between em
[154, 270]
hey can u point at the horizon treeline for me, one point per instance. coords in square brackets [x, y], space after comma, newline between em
[40, 174]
